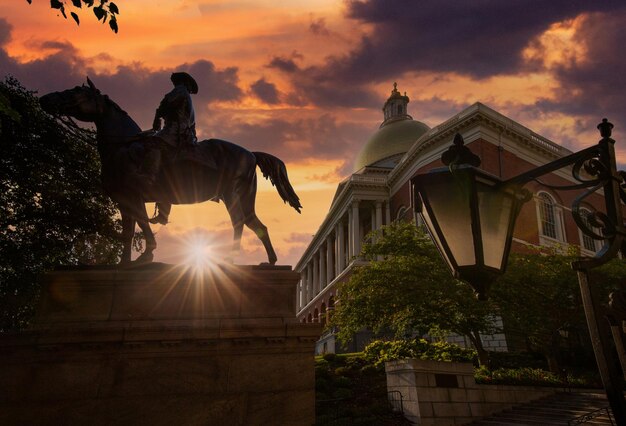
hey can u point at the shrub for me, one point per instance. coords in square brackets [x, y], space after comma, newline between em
[330, 357]
[530, 377]
[380, 351]
[342, 371]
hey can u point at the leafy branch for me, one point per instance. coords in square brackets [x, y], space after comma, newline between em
[104, 10]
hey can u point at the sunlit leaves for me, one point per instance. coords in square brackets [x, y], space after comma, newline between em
[104, 10]
[406, 288]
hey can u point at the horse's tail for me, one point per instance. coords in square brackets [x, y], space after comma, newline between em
[274, 169]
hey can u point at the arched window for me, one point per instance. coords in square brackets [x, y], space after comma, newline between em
[310, 318]
[586, 242]
[323, 314]
[549, 215]
[316, 315]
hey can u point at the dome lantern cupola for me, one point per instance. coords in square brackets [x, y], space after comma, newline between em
[396, 135]
[396, 107]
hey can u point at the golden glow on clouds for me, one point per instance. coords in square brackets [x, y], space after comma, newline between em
[558, 45]
[247, 34]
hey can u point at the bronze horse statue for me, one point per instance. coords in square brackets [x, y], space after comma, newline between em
[186, 180]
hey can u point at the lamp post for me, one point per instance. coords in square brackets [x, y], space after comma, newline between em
[471, 214]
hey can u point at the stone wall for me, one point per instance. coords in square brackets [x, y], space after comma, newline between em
[162, 346]
[445, 393]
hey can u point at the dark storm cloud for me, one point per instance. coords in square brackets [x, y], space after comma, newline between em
[265, 91]
[293, 139]
[480, 39]
[594, 88]
[287, 65]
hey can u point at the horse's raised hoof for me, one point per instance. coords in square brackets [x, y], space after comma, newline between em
[145, 257]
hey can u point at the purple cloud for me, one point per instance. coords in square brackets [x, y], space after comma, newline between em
[265, 91]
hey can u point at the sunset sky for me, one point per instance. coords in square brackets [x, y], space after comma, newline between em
[305, 80]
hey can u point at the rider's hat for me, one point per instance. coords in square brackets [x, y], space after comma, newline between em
[186, 79]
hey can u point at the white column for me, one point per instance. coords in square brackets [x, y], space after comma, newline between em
[379, 214]
[350, 234]
[299, 295]
[388, 212]
[329, 259]
[356, 229]
[341, 244]
[322, 268]
[309, 283]
[316, 274]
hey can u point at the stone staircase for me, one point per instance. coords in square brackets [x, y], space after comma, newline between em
[556, 409]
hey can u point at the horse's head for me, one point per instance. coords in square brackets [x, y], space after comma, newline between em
[84, 103]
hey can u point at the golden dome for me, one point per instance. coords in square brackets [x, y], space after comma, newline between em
[396, 135]
[393, 139]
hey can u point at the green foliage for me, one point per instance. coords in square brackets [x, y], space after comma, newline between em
[52, 210]
[410, 289]
[532, 377]
[539, 296]
[104, 10]
[380, 351]
[516, 360]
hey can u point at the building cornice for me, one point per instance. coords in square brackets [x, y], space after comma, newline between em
[437, 139]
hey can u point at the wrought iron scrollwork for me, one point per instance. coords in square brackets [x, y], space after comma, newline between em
[594, 168]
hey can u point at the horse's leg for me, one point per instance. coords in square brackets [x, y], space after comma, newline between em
[260, 230]
[247, 199]
[128, 230]
[236, 217]
[151, 244]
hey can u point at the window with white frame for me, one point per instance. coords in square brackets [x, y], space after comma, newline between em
[586, 242]
[549, 216]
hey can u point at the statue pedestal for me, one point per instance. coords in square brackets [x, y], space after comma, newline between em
[162, 345]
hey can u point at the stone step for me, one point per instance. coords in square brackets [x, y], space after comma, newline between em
[556, 409]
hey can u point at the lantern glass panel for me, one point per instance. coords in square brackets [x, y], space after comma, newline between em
[449, 197]
[431, 230]
[495, 214]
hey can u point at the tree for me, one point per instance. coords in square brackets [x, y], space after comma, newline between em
[410, 289]
[52, 210]
[539, 297]
[105, 9]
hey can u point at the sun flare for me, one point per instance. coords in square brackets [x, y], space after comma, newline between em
[201, 253]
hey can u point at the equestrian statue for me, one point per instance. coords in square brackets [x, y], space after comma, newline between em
[167, 164]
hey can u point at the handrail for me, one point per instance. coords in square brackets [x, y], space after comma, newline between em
[590, 416]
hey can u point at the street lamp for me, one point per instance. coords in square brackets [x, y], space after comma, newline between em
[471, 214]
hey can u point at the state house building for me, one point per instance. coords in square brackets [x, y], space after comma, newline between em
[378, 193]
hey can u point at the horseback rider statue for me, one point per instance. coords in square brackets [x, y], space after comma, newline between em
[177, 134]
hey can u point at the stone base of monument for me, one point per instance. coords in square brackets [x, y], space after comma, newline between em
[162, 345]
